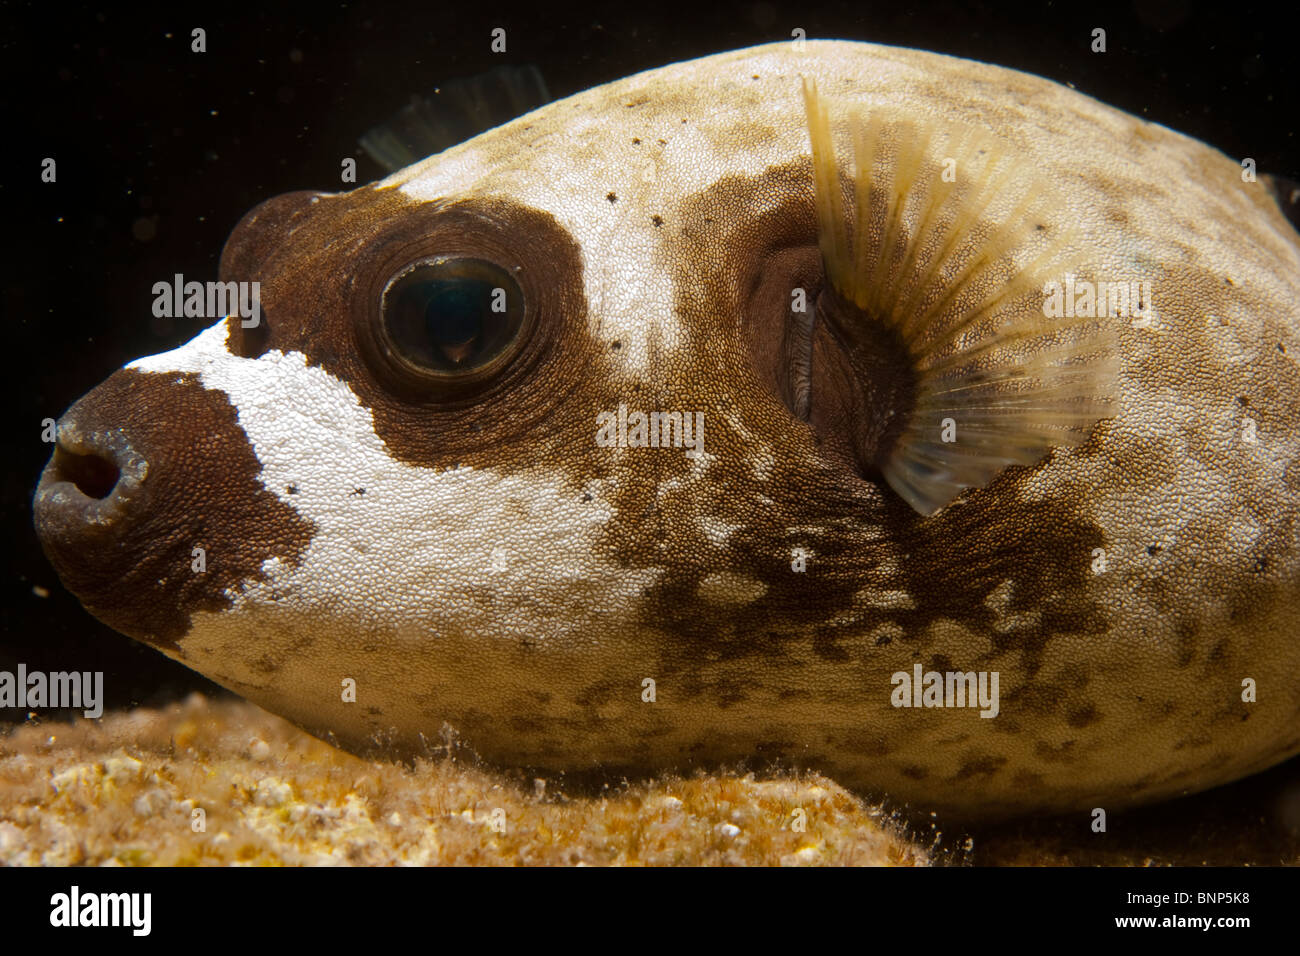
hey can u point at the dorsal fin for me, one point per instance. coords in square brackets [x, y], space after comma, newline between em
[459, 110]
[1286, 192]
[939, 244]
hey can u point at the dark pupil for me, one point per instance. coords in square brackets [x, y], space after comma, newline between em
[452, 315]
[456, 310]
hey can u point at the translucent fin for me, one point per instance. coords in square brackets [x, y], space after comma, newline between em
[458, 110]
[943, 236]
[1287, 193]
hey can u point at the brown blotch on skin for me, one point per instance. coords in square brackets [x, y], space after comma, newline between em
[202, 490]
[543, 404]
[1050, 754]
[1084, 716]
[736, 259]
[980, 765]
[1042, 547]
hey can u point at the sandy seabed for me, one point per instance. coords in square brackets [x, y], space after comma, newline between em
[220, 781]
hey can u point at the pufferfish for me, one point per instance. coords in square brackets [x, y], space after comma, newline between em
[830, 405]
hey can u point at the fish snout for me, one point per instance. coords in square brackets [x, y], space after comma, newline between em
[91, 507]
[152, 506]
[88, 487]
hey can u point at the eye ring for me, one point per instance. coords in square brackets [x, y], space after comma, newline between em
[447, 326]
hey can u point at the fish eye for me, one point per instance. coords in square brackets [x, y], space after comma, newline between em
[447, 318]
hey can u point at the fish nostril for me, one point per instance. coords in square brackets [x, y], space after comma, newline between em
[94, 475]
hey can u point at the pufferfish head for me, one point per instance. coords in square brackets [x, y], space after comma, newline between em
[672, 422]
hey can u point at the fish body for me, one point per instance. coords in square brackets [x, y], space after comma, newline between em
[416, 518]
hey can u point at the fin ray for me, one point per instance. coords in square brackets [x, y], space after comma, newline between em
[942, 236]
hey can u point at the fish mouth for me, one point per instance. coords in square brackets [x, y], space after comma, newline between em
[90, 480]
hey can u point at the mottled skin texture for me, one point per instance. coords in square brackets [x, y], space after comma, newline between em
[483, 565]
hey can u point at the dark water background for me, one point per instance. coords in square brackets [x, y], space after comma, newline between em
[161, 150]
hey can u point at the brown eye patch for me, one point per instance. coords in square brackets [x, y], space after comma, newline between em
[461, 324]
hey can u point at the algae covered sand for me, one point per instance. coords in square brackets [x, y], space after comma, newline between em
[125, 791]
[220, 781]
